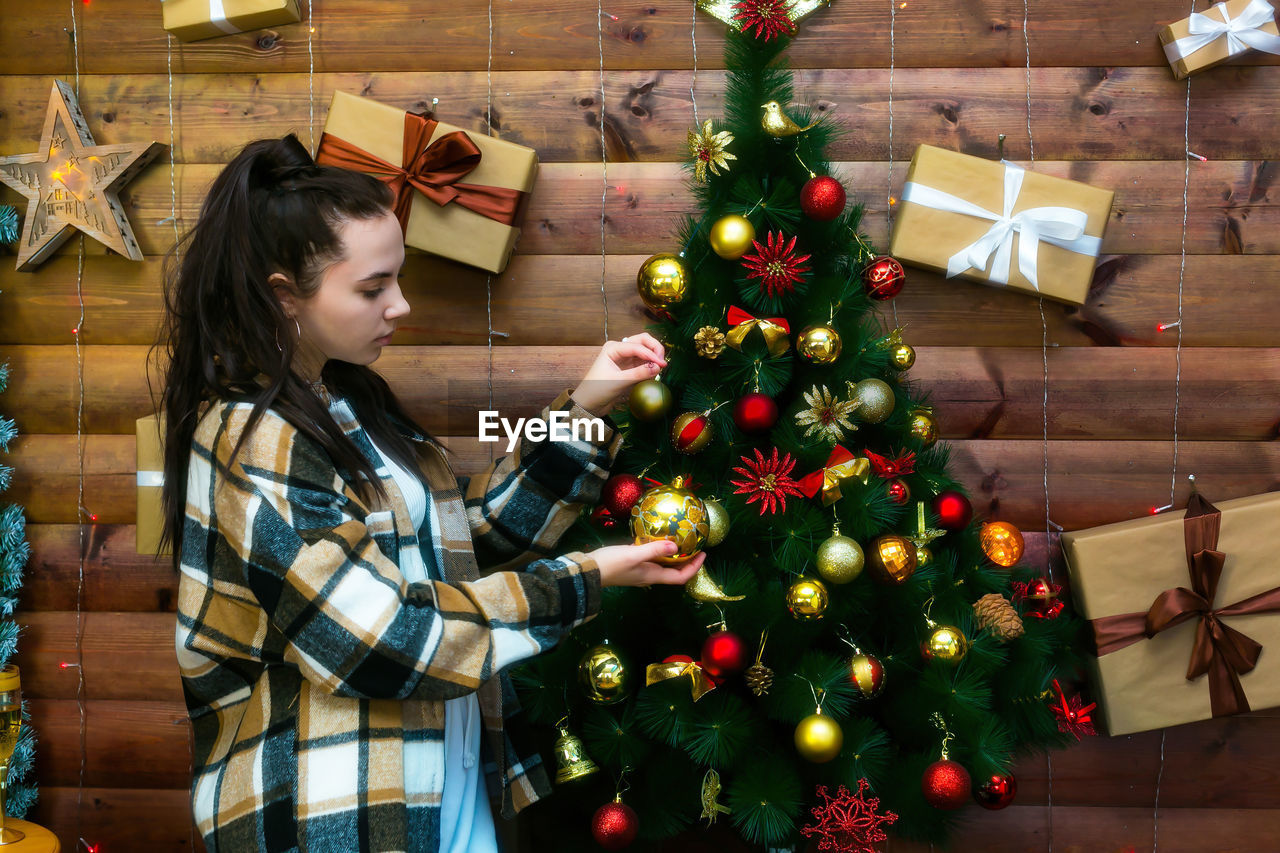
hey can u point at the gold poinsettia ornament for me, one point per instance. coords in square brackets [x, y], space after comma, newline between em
[709, 150]
[827, 415]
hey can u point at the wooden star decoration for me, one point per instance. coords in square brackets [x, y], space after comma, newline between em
[72, 184]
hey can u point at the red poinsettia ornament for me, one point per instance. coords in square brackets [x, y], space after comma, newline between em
[776, 264]
[847, 822]
[770, 18]
[767, 480]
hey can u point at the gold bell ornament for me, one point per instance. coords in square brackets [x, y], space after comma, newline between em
[603, 675]
[663, 281]
[840, 559]
[671, 512]
[572, 761]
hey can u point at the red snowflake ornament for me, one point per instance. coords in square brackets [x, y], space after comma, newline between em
[767, 481]
[776, 264]
[1074, 717]
[771, 18]
[848, 823]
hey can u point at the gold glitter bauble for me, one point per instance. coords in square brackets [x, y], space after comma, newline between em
[945, 644]
[731, 236]
[902, 356]
[875, 400]
[650, 399]
[819, 738]
[663, 280]
[691, 432]
[891, 559]
[807, 599]
[840, 559]
[924, 427]
[1002, 543]
[604, 677]
[671, 512]
[819, 344]
[717, 523]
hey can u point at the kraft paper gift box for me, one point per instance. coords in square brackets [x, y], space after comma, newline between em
[193, 20]
[1220, 33]
[459, 194]
[1125, 579]
[997, 223]
[150, 519]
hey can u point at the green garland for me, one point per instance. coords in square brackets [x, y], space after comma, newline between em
[993, 702]
[14, 551]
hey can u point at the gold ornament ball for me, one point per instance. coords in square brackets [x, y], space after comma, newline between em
[603, 675]
[717, 523]
[840, 559]
[891, 558]
[820, 344]
[690, 433]
[1002, 543]
[945, 644]
[731, 236]
[649, 400]
[671, 512]
[924, 556]
[663, 280]
[902, 356]
[819, 738]
[924, 427]
[875, 400]
[807, 599]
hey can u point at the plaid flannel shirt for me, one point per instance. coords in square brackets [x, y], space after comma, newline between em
[311, 667]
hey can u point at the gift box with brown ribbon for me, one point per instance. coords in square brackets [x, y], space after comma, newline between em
[1221, 32]
[193, 20]
[1185, 611]
[998, 223]
[458, 195]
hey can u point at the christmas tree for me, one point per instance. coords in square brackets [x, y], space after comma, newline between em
[853, 626]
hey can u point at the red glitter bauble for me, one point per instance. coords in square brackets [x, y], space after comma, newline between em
[621, 491]
[953, 510]
[724, 652]
[755, 412]
[822, 198]
[883, 278]
[996, 792]
[898, 492]
[945, 784]
[615, 825]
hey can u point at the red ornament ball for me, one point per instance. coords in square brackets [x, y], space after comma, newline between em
[822, 198]
[621, 491]
[614, 825]
[724, 652]
[898, 492]
[996, 792]
[953, 510]
[883, 278]
[945, 784]
[602, 518]
[755, 412]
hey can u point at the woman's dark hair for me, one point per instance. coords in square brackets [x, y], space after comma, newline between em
[226, 336]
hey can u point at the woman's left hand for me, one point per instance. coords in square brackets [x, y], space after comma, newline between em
[619, 365]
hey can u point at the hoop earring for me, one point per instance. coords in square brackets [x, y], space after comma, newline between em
[299, 328]
[278, 347]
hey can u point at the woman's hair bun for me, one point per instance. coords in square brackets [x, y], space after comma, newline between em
[281, 160]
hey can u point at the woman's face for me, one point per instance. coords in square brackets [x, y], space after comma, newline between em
[353, 313]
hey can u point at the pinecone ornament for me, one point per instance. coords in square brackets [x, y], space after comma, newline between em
[997, 615]
[709, 342]
[759, 678]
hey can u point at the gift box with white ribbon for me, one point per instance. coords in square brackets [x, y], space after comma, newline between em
[1000, 224]
[1222, 32]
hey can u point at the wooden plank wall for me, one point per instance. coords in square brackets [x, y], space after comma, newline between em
[1104, 109]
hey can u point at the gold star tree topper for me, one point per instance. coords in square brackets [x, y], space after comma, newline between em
[72, 184]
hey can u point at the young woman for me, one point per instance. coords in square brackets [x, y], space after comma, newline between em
[347, 606]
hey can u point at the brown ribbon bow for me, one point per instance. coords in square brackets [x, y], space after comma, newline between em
[1220, 650]
[432, 168]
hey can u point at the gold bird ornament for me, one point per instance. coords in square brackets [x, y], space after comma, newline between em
[777, 124]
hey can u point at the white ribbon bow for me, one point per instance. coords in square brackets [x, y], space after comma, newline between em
[1242, 33]
[150, 479]
[1058, 226]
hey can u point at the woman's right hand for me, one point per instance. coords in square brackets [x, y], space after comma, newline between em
[633, 565]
